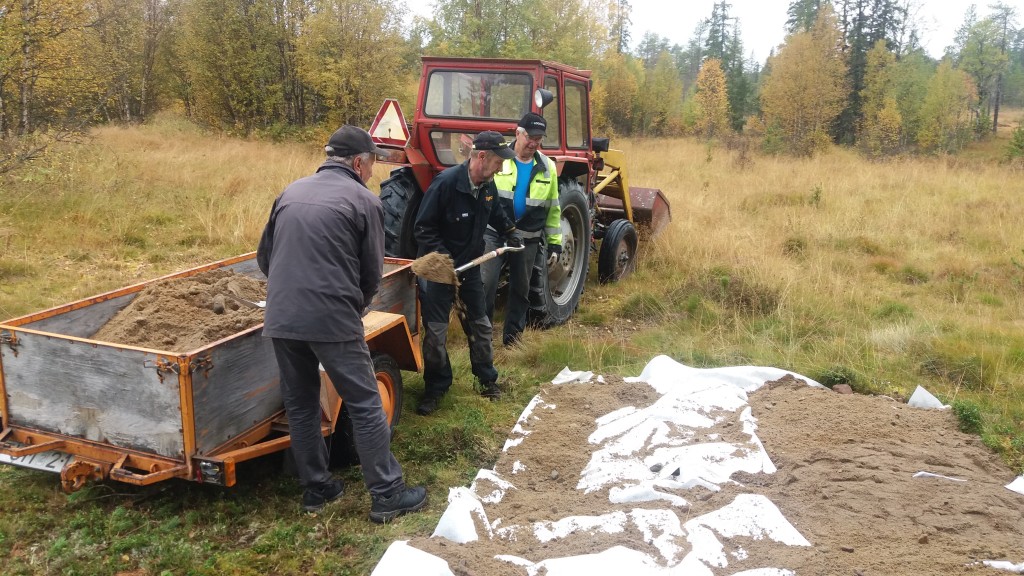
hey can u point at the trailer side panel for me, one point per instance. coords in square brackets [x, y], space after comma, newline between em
[234, 387]
[116, 396]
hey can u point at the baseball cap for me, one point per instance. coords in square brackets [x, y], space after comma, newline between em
[350, 141]
[534, 124]
[495, 142]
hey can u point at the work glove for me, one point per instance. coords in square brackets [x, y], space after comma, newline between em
[512, 240]
[554, 250]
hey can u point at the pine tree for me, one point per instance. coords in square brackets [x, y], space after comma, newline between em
[801, 15]
[618, 24]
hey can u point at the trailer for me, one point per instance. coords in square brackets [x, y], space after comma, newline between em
[93, 410]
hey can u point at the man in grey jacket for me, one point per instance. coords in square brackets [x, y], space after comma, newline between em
[323, 253]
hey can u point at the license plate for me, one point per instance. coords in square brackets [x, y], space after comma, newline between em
[49, 461]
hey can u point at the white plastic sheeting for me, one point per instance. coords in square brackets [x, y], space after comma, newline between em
[922, 398]
[1017, 485]
[692, 400]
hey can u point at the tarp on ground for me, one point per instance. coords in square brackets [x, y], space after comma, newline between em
[651, 459]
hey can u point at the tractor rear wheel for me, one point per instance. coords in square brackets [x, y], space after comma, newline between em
[400, 197]
[617, 257]
[389, 384]
[555, 291]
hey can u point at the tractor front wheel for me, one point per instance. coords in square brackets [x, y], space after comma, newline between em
[617, 257]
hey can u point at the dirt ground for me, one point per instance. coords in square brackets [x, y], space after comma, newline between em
[844, 481]
[183, 314]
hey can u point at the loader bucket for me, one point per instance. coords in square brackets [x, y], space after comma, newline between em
[651, 211]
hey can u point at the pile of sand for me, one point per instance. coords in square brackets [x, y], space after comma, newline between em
[183, 314]
[845, 481]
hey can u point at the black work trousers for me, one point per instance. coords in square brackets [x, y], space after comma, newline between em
[520, 270]
[435, 307]
[350, 369]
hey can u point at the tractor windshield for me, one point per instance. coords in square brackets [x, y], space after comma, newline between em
[478, 94]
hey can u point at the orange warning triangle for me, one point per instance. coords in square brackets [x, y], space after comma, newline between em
[389, 126]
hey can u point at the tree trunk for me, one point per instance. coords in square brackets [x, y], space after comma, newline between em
[26, 81]
[995, 102]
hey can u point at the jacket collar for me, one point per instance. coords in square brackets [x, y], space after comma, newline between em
[331, 165]
[540, 164]
[462, 181]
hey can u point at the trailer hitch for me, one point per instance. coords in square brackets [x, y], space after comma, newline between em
[77, 472]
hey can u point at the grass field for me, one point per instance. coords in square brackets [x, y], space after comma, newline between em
[884, 276]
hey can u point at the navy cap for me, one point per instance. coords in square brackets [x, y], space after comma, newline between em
[352, 141]
[494, 142]
[534, 124]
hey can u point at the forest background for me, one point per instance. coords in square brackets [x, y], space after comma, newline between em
[851, 72]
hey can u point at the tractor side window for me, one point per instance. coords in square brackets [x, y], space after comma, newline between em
[553, 138]
[577, 116]
[473, 94]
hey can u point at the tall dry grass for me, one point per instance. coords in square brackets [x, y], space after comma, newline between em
[128, 204]
[883, 275]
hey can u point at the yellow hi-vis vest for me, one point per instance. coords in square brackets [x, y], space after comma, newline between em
[543, 215]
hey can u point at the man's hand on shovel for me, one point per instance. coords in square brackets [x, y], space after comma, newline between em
[438, 267]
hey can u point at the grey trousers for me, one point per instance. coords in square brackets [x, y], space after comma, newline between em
[351, 371]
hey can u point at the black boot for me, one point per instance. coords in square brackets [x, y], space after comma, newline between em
[490, 390]
[428, 405]
[386, 508]
[315, 498]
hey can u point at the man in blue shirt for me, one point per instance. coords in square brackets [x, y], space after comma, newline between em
[527, 185]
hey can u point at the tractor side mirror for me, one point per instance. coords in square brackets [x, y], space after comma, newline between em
[542, 97]
[601, 144]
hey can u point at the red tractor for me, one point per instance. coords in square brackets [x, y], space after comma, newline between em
[459, 97]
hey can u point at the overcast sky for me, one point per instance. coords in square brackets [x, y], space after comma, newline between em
[762, 22]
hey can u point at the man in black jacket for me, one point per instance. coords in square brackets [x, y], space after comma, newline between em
[323, 254]
[457, 207]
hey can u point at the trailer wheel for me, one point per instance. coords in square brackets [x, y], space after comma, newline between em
[400, 197]
[617, 257]
[389, 384]
[555, 292]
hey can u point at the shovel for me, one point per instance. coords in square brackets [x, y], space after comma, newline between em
[247, 303]
[437, 267]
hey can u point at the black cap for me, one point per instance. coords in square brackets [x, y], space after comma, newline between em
[351, 141]
[495, 142]
[534, 124]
